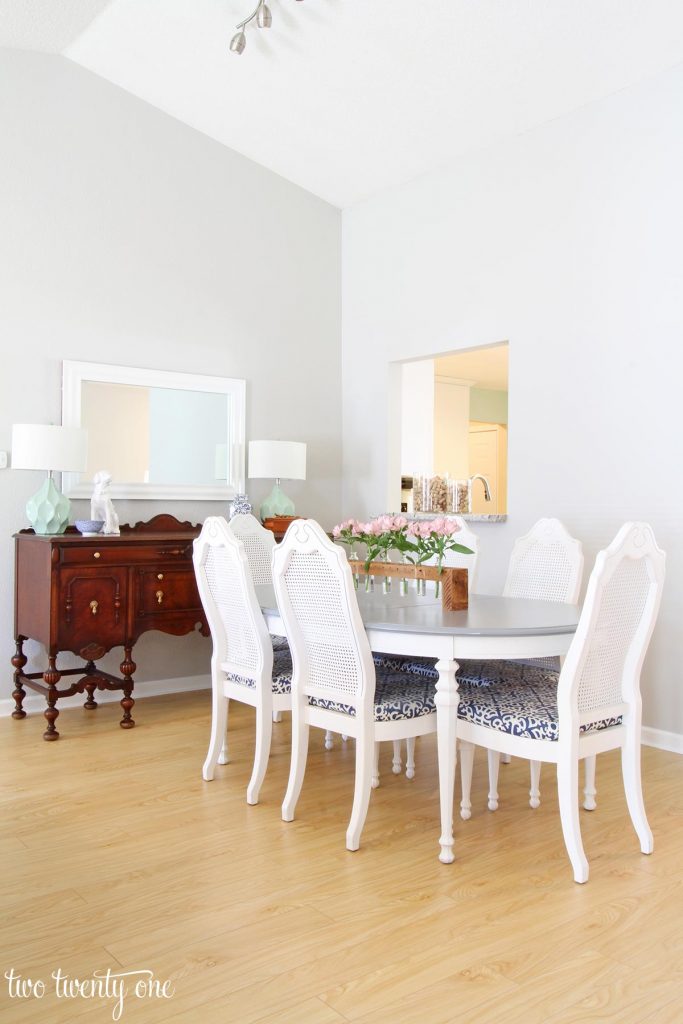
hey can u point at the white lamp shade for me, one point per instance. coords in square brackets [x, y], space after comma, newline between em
[278, 460]
[37, 446]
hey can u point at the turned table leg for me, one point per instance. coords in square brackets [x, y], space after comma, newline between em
[90, 703]
[128, 667]
[18, 661]
[51, 677]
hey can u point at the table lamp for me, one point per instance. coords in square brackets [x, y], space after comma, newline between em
[51, 448]
[282, 460]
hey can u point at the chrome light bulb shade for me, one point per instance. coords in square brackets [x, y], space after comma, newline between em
[238, 42]
[264, 18]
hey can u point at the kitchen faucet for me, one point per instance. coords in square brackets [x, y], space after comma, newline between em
[487, 489]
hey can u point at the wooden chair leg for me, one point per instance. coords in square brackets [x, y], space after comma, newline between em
[505, 758]
[535, 791]
[329, 742]
[466, 762]
[397, 763]
[264, 731]
[589, 791]
[568, 795]
[630, 771]
[277, 716]
[362, 790]
[493, 758]
[218, 741]
[410, 757]
[297, 768]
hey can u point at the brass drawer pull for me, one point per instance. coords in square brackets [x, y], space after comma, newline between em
[159, 596]
[96, 554]
[160, 575]
[93, 607]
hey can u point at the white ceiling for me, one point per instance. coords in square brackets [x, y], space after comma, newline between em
[349, 97]
[484, 367]
[47, 25]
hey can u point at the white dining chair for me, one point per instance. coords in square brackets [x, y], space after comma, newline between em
[335, 684]
[244, 666]
[596, 704]
[258, 545]
[546, 564]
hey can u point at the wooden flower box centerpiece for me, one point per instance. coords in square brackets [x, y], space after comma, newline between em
[453, 582]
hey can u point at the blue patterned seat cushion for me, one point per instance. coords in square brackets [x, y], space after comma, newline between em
[471, 672]
[414, 664]
[398, 695]
[282, 671]
[523, 703]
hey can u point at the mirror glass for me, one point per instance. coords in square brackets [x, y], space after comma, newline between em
[159, 433]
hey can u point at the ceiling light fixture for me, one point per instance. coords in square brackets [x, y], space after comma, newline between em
[261, 15]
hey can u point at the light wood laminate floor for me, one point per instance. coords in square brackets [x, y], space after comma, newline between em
[116, 854]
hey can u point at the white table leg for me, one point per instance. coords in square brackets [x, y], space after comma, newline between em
[446, 701]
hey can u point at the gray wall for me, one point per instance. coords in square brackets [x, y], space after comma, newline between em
[566, 241]
[127, 237]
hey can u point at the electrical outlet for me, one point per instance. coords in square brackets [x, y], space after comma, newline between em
[3, 460]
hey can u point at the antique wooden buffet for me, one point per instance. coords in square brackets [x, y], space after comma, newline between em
[87, 595]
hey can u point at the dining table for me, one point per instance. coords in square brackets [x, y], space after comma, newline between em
[490, 628]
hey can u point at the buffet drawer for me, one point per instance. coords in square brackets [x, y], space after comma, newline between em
[165, 589]
[116, 553]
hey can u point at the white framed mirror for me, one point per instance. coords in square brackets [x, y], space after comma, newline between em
[161, 434]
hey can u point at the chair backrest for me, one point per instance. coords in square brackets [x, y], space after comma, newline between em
[602, 669]
[315, 594]
[238, 628]
[455, 559]
[546, 564]
[258, 544]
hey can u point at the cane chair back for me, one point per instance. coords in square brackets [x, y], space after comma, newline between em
[601, 673]
[317, 600]
[226, 589]
[258, 545]
[546, 564]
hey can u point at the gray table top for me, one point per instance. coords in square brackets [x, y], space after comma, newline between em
[486, 615]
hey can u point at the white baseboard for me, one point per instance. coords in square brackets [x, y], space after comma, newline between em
[672, 741]
[153, 688]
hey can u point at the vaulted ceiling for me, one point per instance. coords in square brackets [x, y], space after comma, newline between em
[350, 97]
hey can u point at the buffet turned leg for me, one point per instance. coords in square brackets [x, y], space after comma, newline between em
[128, 667]
[90, 703]
[18, 661]
[51, 677]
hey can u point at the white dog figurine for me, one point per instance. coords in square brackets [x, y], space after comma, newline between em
[100, 504]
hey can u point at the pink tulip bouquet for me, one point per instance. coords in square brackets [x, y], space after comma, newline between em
[418, 541]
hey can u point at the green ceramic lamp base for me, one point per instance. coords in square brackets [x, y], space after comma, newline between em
[277, 504]
[48, 509]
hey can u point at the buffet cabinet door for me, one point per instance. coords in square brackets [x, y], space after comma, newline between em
[92, 605]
